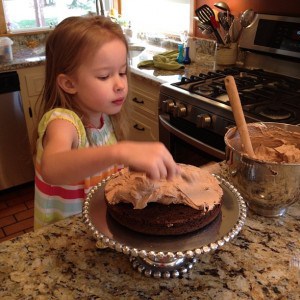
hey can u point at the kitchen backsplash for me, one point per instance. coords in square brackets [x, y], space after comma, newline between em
[34, 44]
[272, 7]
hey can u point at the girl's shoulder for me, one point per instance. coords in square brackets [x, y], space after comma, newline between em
[63, 114]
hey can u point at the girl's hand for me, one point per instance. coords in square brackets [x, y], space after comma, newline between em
[153, 158]
[63, 163]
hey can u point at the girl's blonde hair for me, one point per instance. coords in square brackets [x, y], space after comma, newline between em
[74, 40]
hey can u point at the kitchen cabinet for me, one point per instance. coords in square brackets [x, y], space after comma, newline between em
[31, 83]
[143, 102]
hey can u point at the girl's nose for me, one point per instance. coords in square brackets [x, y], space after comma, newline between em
[119, 84]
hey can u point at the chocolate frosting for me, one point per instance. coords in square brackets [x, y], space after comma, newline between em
[270, 143]
[194, 187]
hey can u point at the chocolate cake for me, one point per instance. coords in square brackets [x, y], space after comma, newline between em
[188, 203]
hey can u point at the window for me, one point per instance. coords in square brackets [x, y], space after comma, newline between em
[26, 15]
[154, 16]
[157, 16]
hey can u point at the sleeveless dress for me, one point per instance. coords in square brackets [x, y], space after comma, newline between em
[51, 202]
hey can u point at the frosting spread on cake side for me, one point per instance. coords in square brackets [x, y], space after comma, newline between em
[194, 187]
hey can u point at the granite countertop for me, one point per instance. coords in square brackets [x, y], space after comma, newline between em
[204, 62]
[61, 261]
[25, 57]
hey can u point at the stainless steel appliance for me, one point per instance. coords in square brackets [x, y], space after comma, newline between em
[195, 112]
[16, 164]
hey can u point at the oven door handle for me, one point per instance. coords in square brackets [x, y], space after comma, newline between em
[190, 140]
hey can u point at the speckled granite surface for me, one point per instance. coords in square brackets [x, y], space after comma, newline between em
[26, 59]
[29, 52]
[62, 262]
[205, 64]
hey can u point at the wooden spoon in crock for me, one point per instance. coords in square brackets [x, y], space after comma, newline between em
[238, 114]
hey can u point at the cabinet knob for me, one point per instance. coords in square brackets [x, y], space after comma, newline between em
[136, 100]
[180, 110]
[137, 127]
[203, 121]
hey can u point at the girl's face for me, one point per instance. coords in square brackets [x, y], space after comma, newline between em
[101, 82]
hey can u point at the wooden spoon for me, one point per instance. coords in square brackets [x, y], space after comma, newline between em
[238, 114]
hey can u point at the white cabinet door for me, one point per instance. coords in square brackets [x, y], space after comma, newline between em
[31, 81]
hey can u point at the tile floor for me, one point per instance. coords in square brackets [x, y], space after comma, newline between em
[16, 211]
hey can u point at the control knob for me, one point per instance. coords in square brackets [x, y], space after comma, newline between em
[168, 105]
[203, 121]
[180, 110]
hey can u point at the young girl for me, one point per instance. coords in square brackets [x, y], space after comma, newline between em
[85, 89]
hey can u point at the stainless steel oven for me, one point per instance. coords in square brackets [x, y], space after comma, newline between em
[189, 142]
[186, 147]
[195, 113]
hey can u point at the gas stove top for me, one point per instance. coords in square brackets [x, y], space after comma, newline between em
[268, 82]
[264, 95]
[195, 113]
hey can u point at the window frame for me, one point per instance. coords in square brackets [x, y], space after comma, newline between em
[117, 5]
[2, 19]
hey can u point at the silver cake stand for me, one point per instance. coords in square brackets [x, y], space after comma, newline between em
[164, 256]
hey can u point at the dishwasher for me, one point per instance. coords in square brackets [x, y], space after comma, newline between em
[16, 163]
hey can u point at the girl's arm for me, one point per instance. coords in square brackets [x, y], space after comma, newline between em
[63, 163]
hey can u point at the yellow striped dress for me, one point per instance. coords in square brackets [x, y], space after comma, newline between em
[53, 203]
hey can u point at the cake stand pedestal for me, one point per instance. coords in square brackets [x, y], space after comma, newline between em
[160, 269]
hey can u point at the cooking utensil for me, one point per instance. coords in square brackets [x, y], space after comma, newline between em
[238, 114]
[247, 18]
[223, 20]
[204, 14]
[234, 30]
[204, 28]
[226, 19]
[222, 5]
[216, 28]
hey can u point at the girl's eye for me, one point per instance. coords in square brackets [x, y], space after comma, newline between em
[103, 77]
[123, 74]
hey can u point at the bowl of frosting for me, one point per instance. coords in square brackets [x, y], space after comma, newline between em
[269, 181]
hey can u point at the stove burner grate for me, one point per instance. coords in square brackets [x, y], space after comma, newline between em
[204, 90]
[275, 113]
[268, 96]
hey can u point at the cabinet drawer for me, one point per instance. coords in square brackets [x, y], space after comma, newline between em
[143, 85]
[143, 128]
[35, 83]
[144, 104]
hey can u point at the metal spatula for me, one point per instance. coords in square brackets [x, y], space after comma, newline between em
[205, 14]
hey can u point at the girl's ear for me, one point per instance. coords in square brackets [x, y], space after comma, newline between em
[66, 83]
